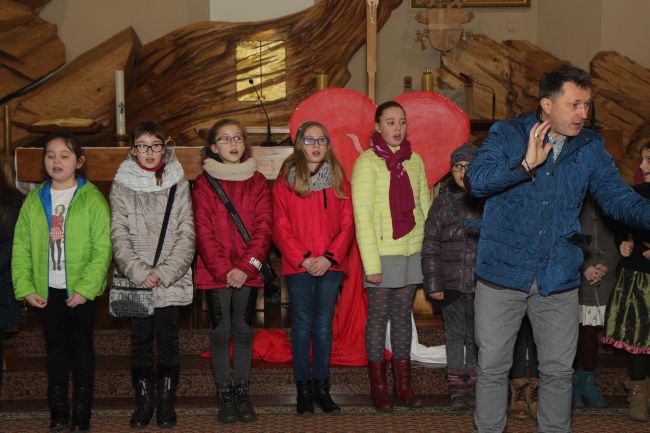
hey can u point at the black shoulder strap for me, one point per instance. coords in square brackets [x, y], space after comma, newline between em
[163, 230]
[231, 209]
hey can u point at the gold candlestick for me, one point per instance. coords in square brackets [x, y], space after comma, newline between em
[321, 81]
[427, 80]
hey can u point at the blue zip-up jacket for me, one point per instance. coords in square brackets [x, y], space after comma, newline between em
[529, 223]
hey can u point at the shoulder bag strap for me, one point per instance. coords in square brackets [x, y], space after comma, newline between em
[231, 209]
[163, 230]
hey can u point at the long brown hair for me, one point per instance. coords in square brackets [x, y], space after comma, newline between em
[302, 182]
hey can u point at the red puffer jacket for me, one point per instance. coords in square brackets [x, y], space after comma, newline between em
[219, 244]
[318, 225]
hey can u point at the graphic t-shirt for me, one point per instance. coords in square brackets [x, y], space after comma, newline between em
[60, 202]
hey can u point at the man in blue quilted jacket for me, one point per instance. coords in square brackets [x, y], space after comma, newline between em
[534, 172]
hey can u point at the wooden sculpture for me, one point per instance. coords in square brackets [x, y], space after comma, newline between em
[621, 87]
[29, 46]
[188, 79]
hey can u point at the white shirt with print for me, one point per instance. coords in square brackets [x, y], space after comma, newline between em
[61, 199]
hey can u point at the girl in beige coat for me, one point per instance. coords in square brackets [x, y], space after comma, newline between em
[138, 200]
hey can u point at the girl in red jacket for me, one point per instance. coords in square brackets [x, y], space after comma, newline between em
[313, 228]
[228, 269]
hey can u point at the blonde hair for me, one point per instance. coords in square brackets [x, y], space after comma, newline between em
[302, 181]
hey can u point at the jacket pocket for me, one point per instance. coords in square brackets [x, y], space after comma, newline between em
[506, 237]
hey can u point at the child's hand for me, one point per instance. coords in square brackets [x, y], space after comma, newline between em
[307, 263]
[75, 299]
[437, 296]
[36, 300]
[236, 278]
[151, 281]
[374, 279]
[593, 274]
[627, 246]
[319, 266]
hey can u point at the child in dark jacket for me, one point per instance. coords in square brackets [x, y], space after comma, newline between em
[448, 262]
[228, 269]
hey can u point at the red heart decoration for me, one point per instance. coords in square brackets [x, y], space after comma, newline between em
[436, 125]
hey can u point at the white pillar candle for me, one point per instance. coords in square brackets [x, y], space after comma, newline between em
[120, 108]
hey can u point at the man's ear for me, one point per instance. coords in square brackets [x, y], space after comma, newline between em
[546, 105]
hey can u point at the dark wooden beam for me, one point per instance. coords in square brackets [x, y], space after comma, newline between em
[103, 162]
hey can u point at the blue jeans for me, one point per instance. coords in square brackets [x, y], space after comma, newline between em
[554, 319]
[312, 306]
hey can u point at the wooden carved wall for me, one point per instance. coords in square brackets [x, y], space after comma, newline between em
[186, 79]
[621, 87]
[29, 46]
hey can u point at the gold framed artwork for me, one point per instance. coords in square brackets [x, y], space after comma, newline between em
[422, 4]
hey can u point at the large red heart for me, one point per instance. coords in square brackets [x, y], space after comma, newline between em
[436, 126]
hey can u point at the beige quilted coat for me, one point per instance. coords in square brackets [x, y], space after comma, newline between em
[137, 212]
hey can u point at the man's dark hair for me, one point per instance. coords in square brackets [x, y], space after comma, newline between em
[551, 83]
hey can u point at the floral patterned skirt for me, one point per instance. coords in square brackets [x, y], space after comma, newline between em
[627, 320]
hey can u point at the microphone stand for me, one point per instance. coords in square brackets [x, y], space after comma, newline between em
[269, 140]
[471, 80]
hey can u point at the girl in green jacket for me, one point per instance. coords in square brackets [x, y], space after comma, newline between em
[62, 286]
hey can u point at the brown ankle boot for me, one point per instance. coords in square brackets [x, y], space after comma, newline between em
[402, 383]
[379, 386]
[518, 404]
[531, 396]
[638, 409]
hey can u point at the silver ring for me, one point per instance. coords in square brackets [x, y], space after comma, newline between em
[536, 135]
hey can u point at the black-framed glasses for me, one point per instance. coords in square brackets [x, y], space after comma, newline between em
[144, 148]
[458, 167]
[311, 141]
[226, 139]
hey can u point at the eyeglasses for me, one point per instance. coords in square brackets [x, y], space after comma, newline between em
[226, 139]
[311, 141]
[144, 148]
[458, 167]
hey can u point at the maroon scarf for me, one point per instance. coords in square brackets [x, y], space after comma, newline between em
[400, 194]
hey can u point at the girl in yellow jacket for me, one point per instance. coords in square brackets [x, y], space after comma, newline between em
[390, 198]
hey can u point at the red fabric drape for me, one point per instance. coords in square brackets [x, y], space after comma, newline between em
[348, 325]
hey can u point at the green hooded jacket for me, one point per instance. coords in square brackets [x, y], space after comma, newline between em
[87, 243]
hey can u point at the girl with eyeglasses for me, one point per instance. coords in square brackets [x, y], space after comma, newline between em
[448, 262]
[228, 269]
[391, 198]
[313, 229]
[138, 197]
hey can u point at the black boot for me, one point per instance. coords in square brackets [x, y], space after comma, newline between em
[323, 398]
[245, 410]
[82, 400]
[166, 398]
[57, 397]
[305, 399]
[227, 413]
[143, 380]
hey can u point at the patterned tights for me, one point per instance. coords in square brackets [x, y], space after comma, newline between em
[385, 304]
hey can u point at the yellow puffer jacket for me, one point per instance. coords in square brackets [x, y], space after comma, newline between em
[374, 226]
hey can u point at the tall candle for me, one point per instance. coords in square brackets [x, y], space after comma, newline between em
[120, 108]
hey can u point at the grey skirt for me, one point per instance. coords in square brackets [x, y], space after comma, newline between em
[399, 271]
